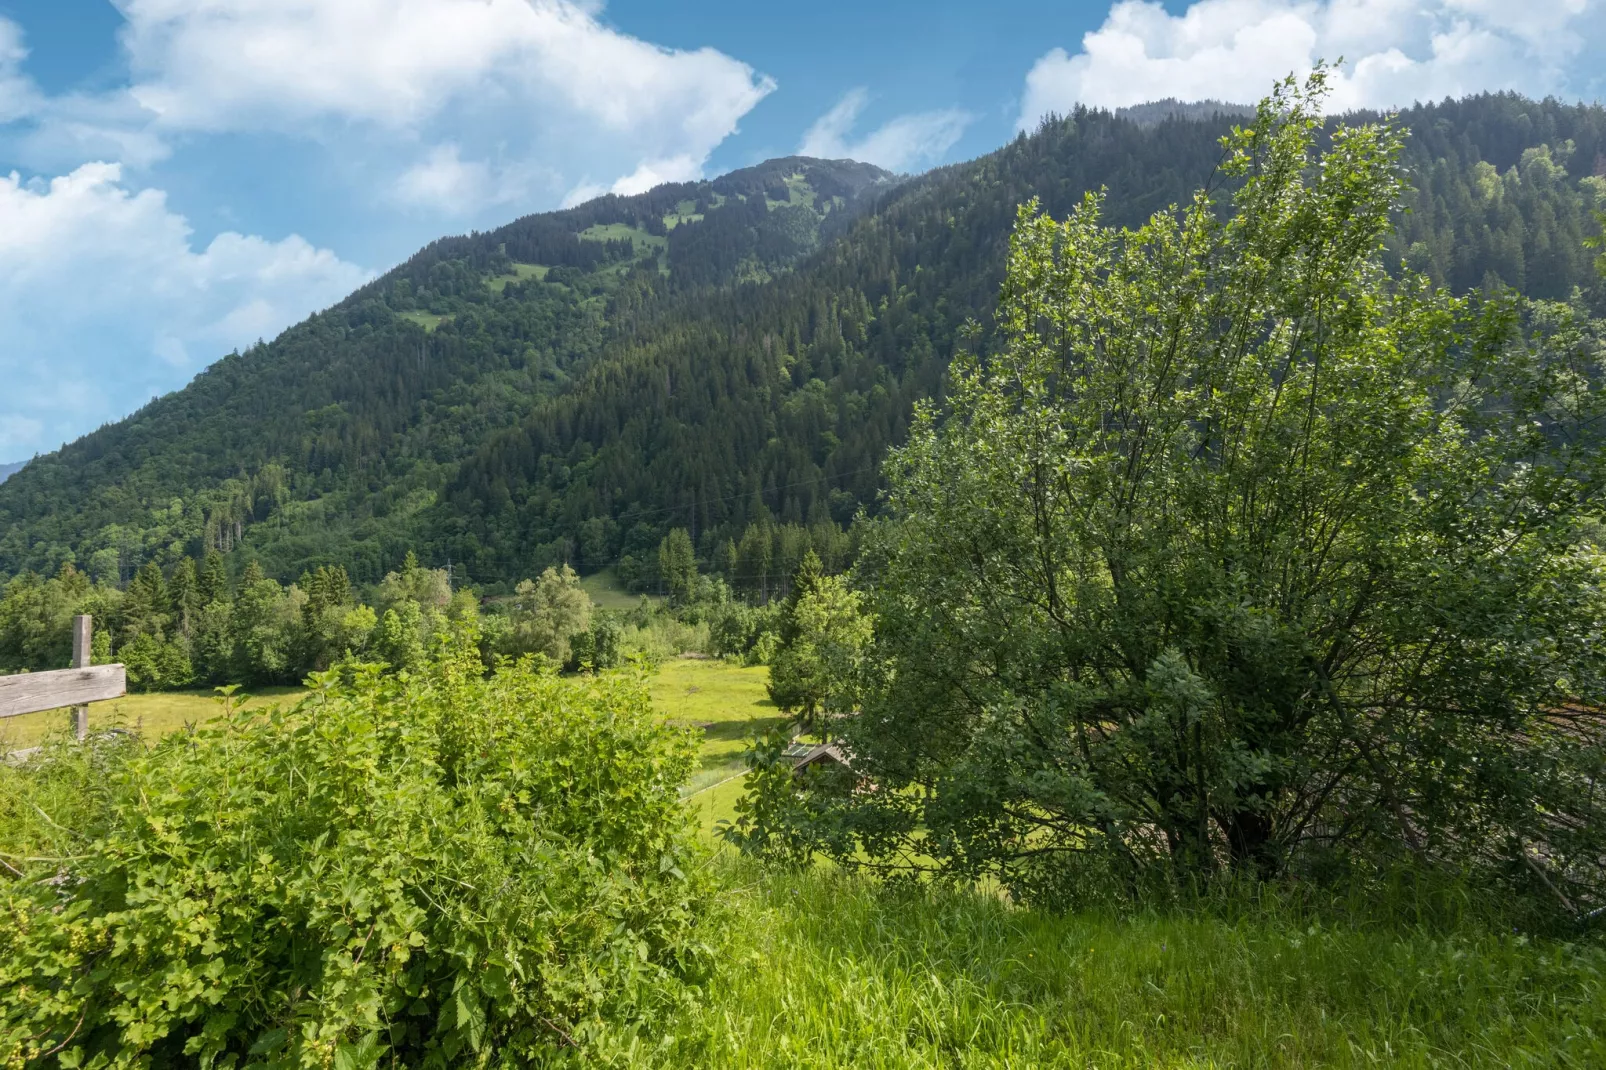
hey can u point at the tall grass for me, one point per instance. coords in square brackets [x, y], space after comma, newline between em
[825, 970]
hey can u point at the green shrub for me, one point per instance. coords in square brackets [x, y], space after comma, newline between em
[155, 664]
[440, 870]
[597, 648]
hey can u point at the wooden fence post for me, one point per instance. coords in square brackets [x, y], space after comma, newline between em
[81, 650]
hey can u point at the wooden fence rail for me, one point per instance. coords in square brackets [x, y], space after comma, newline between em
[35, 692]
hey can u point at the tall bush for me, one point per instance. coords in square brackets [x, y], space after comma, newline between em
[452, 871]
[1240, 554]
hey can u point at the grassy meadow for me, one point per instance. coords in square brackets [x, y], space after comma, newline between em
[827, 969]
[728, 704]
[151, 716]
[617, 231]
[607, 592]
[520, 273]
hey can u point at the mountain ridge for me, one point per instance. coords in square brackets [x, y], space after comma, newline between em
[709, 355]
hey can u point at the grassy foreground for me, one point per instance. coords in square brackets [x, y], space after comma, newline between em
[823, 970]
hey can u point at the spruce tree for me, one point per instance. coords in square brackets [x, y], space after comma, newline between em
[183, 589]
[214, 579]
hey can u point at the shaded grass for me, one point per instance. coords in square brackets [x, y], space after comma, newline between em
[684, 212]
[798, 191]
[727, 703]
[730, 700]
[717, 802]
[823, 969]
[152, 716]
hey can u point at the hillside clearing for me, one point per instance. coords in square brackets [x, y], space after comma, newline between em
[644, 242]
[427, 320]
[607, 592]
[521, 273]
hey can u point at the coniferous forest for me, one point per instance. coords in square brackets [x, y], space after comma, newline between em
[712, 356]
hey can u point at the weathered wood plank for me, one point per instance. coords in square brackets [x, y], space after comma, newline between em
[33, 692]
[83, 627]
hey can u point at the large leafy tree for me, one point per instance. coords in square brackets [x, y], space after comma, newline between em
[824, 633]
[1239, 553]
[545, 616]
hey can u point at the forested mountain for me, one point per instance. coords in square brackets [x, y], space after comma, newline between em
[327, 443]
[711, 356]
[1156, 111]
[7, 470]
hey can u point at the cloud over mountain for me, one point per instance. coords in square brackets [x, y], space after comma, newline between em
[1395, 51]
[902, 143]
[509, 81]
[105, 300]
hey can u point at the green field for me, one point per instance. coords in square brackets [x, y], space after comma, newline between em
[821, 969]
[521, 273]
[728, 704]
[427, 320]
[799, 192]
[685, 212]
[614, 231]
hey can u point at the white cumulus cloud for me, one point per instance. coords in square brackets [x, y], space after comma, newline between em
[1396, 52]
[531, 80]
[461, 111]
[445, 183]
[901, 143]
[105, 301]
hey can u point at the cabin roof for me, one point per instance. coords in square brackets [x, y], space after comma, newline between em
[803, 755]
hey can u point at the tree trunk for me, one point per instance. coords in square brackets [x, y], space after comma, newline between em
[1249, 838]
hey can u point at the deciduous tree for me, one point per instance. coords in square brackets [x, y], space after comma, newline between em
[1240, 553]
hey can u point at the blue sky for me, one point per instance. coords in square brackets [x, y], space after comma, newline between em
[181, 177]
